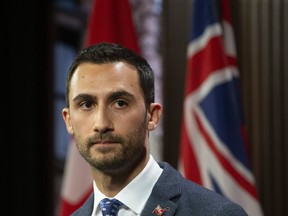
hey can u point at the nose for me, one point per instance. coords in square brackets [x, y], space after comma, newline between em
[103, 120]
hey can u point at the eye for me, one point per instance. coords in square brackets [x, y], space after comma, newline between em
[120, 104]
[86, 105]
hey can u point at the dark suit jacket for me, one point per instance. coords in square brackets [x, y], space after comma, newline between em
[179, 197]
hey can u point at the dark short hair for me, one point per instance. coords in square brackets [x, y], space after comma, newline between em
[102, 53]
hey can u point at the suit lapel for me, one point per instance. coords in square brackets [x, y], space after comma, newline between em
[165, 194]
[154, 208]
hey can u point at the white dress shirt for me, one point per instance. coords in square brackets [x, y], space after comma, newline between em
[135, 194]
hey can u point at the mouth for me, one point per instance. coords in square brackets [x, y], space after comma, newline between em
[105, 142]
[104, 146]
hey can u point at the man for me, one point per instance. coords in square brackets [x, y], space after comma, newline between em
[110, 111]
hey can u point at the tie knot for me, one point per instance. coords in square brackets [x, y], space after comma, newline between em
[110, 207]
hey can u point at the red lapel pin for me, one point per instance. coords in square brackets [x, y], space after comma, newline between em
[160, 211]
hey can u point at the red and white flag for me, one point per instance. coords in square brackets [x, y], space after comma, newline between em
[213, 147]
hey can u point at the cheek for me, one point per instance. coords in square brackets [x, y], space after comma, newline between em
[81, 124]
[132, 122]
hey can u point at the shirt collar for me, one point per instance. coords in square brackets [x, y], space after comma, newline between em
[139, 189]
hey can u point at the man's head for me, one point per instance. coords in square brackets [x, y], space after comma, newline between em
[108, 53]
[110, 107]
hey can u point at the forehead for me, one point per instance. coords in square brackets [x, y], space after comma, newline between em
[104, 77]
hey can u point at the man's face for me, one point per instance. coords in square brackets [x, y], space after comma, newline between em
[107, 115]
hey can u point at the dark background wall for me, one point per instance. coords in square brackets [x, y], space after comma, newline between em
[26, 109]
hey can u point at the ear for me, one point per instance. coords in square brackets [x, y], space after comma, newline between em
[155, 112]
[67, 120]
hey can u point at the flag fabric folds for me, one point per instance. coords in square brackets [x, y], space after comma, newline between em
[213, 148]
[147, 17]
[112, 21]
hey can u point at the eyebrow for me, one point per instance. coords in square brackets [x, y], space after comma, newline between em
[118, 94]
[85, 97]
[111, 96]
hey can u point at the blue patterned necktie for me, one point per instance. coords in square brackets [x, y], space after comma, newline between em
[110, 207]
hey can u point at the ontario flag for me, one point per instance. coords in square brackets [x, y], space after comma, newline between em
[213, 148]
[109, 21]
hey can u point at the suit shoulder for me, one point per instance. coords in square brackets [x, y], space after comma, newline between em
[191, 197]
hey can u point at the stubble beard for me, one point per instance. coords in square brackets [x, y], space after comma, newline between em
[131, 152]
